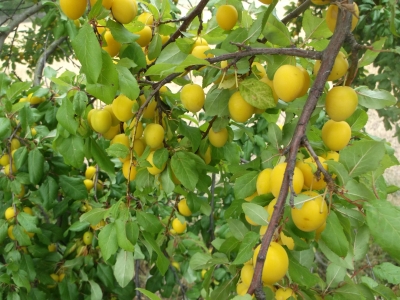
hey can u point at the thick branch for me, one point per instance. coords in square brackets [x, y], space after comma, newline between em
[43, 58]
[297, 12]
[187, 21]
[316, 90]
[16, 20]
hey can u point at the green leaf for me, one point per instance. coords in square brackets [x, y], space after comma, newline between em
[20, 278]
[88, 51]
[388, 272]
[369, 56]
[21, 236]
[68, 290]
[144, 180]
[355, 191]
[148, 294]
[120, 33]
[161, 69]
[108, 241]
[16, 88]
[216, 103]
[123, 241]
[334, 237]
[257, 93]
[335, 275]
[35, 166]
[350, 291]
[28, 222]
[124, 268]
[154, 47]
[383, 220]
[362, 157]
[73, 187]
[237, 228]
[191, 60]
[245, 185]
[78, 226]
[361, 242]
[300, 274]
[127, 83]
[185, 169]
[132, 232]
[118, 150]
[274, 135]
[375, 99]
[5, 128]
[93, 216]
[358, 120]
[314, 27]
[276, 32]
[79, 103]
[229, 245]
[95, 291]
[246, 248]
[162, 262]
[171, 53]
[160, 157]
[107, 84]
[200, 261]
[166, 181]
[256, 213]
[20, 157]
[48, 191]
[66, 116]
[3, 230]
[192, 133]
[72, 149]
[101, 158]
[346, 262]
[149, 222]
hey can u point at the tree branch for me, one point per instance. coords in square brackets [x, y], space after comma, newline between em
[43, 58]
[328, 59]
[295, 13]
[17, 20]
[186, 22]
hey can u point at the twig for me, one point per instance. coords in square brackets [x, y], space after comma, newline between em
[328, 58]
[296, 12]
[205, 133]
[137, 279]
[17, 20]
[43, 58]
[211, 229]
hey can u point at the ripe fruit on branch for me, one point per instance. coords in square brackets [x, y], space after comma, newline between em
[288, 82]
[125, 170]
[145, 36]
[4, 160]
[242, 288]
[7, 169]
[106, 3]
[284, 293]
[340, 103]
[9, 213]
[154, 135]
[73, 9]
[246, 274]
[264, 182]
[306, 84]
[260, 69]
[308, 167]
[286, 240]
[88, 184]
[339, 69]
[218, 139]
[183, 208]
[192, 97]
[227, 17]
[277, 179]
[34, 99]
[112, 46]
[239, 109]
[178, 226]
[312, 214]
[207, 156]
[146, 18]
[90, 171]
[276, 263]
[198, 52]
[15, 144]
[124, 11]
[336, 135]
[122, 108]
[321, 2]
[153, 169]
[101, 121]
[332, 14]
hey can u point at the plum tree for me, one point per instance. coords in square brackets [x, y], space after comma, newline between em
[202, 153]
